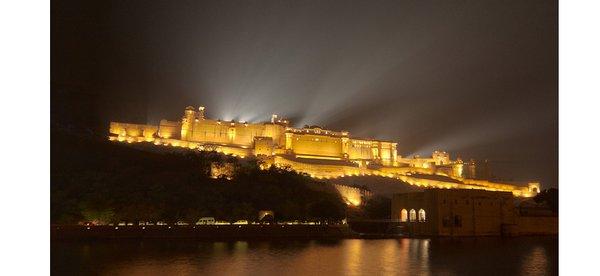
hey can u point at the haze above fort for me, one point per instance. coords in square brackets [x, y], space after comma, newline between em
[476, 79]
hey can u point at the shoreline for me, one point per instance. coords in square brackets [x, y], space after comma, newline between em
[201, 232]
[226, 232]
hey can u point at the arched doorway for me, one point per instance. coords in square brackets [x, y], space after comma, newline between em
[413, 215]
[403, 215]
[422, 216]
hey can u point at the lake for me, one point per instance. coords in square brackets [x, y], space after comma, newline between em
[436, 256]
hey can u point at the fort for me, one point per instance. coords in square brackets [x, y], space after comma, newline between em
[318, 152]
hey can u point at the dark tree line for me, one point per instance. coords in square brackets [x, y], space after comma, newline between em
[94, 179]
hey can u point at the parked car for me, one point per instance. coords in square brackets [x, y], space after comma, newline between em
[206, 221]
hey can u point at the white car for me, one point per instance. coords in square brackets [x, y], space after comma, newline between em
[206, 221]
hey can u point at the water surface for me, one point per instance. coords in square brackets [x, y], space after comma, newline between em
[473, 256]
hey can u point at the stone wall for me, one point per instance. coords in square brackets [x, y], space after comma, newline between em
[467, 213]
[317, 145]
[455, 212]
[352, 195]
[169, 129]
[132, 130]
[537, 225]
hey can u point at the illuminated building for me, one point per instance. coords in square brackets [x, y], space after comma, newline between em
[318, 152]
[225, 170]
[461, 212]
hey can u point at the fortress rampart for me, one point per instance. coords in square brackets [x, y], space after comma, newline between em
[353, 195]
[318, 152]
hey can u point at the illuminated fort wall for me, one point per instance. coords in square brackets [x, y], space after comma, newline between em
[133, 130]
[353, 195]
[318, 143]
[302, 149]
[195, 127]
[169, 129]
[319, 170]
[316, 146]
[273, 138]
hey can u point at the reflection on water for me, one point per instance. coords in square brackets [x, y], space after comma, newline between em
[488, 256]
[535, 261]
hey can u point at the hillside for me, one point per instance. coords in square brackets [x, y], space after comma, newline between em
[93, 179]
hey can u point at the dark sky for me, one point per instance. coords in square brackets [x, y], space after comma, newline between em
[475, 78]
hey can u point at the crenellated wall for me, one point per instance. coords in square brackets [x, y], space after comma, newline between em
[352, 195]
[133, 130]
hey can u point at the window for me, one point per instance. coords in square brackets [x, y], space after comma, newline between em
[422, 217]
[413, 215]
[403, 215]
[458, 221]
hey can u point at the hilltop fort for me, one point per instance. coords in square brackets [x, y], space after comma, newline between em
[318, 152]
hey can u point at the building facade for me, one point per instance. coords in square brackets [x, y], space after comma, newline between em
[461, 212]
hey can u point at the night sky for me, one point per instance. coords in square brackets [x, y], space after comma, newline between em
[475, 78]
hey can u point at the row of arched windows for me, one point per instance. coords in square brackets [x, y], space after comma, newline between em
[412, 215]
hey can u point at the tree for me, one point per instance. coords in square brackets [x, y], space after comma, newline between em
[549, 197]
[378, 207]
[94, 179]
[326, 210]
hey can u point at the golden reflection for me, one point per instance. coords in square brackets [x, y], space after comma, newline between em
[389, 258]
[535, 263]
[412, 257]
[219, 248]
[240, 247]
[353, 257]
[423, 257]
